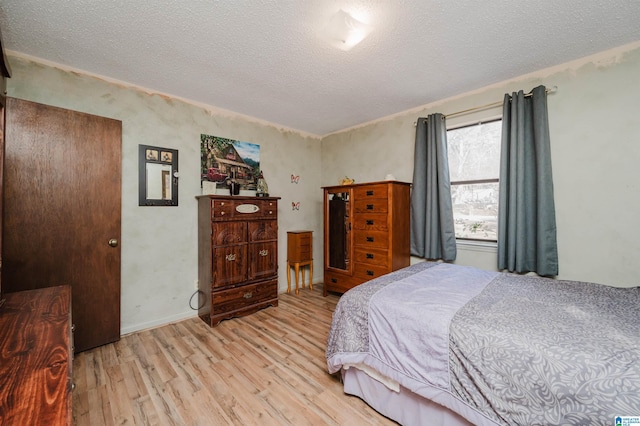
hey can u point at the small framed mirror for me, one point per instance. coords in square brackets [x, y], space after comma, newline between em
[157, 176]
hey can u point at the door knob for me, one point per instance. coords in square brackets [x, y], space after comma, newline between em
[113, 242]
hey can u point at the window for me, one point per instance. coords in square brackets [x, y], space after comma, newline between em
[474, 166]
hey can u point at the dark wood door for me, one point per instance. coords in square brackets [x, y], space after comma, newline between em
[229, 265]
[62, 201]
[3, 101]
[263, 260]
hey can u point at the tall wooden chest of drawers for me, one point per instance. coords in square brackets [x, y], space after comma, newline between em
[366, 232]
[237, 255]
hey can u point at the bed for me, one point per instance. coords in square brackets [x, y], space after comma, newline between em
[436, 343]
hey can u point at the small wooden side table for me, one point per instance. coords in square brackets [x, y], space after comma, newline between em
[299, 254]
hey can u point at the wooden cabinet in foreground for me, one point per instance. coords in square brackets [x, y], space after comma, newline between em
[237, 255]
[36, 357]
[366, 232]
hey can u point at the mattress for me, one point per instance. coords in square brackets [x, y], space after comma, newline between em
[496, 348]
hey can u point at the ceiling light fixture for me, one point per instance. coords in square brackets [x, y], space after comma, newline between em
[345, 31]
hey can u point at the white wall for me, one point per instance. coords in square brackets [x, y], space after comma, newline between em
[595, 142]
[159, 244]
[594, 129]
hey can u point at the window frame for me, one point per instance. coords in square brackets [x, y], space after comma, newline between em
[476, 181]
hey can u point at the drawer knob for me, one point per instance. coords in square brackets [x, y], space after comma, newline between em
[73, 328]
[369, 193]
[369, 255]
[248, 295]
[264, 253]
[369, 239]
[333, 280]
[369, 206]
[369, 222]
[231, 257]
[370, 273]
[221, 213]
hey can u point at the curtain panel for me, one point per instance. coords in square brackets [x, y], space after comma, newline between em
[526, 215]
[432, 226]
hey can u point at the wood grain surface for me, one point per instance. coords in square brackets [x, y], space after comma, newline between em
[268, 368]
[35, 357]
[62, 205]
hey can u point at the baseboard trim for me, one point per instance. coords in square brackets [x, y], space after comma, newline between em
[157, 323]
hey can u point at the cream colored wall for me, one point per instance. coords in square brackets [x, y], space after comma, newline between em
[159, 244]
[595, 152]
[595, 143]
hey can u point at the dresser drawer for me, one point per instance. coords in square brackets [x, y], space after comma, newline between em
[371, 221]
[304, 239]
[372, 256]
[339, 283]
[304, 254]
[369, 272]
[269, 209]
[371, 239]
[222, 209]
[375, 205]
[371, 191]
[229, 209]
[238, 298]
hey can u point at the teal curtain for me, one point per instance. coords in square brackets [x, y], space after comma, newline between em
[526, 214]
[432, 229]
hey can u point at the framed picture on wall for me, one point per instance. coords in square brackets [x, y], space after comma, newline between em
[166, 156]
[227, 162]
[152, 154]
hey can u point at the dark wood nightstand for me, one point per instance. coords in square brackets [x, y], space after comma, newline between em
[299, 254]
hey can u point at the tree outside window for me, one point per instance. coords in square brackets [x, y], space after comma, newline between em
[474, 167]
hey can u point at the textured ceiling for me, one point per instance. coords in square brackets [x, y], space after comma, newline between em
[268, 59]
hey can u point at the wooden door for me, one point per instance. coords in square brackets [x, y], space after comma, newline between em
[62, 201]
[229, 265]
[263, 249]
[3, 101]
[263, 260]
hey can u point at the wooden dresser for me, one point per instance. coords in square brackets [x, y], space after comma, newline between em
[36, 357]
[366, 232]
[237, 255]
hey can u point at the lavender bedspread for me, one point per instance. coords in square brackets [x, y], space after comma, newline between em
[497, 348]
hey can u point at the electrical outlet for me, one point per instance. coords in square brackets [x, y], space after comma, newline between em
[196, 284]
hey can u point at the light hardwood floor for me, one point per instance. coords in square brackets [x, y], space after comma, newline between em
[267, 368]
